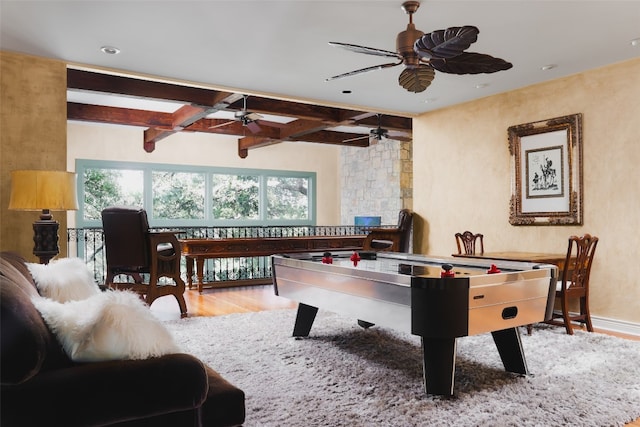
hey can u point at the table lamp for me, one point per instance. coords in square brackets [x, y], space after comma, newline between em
[34, 190]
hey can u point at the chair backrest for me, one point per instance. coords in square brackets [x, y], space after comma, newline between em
[577, 265]
[396, 239]
[467, 242]
[405, 220]
[126, 237]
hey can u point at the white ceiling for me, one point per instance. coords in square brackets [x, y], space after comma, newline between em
[279, 48]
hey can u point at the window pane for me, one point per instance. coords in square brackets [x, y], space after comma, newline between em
[288, 198]
[177, 195]
[109, 187]
[235, 196]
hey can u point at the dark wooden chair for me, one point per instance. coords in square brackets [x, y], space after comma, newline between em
[397, 239]
[133, 250]
[467, 242]
[574, 283]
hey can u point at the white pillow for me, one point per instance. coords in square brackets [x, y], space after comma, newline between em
[64, 279]
[112, 325]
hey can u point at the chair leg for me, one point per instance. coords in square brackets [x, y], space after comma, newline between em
[179, 294]
[565, 316]
[176, 290]
[182, 304]
[584, 311]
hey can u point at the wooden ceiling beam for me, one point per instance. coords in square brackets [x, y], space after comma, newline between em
[183, 117]
[145, 89]
[301, 127]
[291, 109]
[403, 124]
[151, 136]
[186, 116]
[194, 104]
[335, 138]
[321, 137]
[247, 142]
[118, 116]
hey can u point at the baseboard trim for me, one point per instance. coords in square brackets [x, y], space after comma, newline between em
[614, 325]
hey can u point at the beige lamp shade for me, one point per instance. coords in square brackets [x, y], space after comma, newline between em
[34, 190]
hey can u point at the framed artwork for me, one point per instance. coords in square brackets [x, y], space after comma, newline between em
[546, 172]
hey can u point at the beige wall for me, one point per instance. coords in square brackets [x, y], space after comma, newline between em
[461, 165]
[33, 135]
[462, 177]
[124, 143]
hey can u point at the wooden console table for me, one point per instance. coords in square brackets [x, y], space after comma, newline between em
[197, 250]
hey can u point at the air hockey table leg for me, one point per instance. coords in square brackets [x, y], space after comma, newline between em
[439, 365]
[509, 346]
[304, 320]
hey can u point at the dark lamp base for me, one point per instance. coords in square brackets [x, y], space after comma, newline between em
[45, 237]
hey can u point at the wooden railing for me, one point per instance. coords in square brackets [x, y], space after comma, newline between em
[88, 244]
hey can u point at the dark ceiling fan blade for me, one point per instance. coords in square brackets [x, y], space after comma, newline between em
[356, 139]
[416, 79]
[253, 127]
[470, 63]
[364, 70]
[395, 137]
[366, 50]
[251, 116]
[446, 43]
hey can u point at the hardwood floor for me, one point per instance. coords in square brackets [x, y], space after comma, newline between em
[218, 302]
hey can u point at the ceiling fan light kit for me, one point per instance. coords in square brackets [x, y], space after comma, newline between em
[422, 54]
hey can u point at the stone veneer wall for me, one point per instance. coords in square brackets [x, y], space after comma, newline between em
[376, 180]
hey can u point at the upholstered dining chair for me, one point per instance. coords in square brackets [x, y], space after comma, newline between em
[396, 239]
[145, 256]
[574, 283]
[467, 242]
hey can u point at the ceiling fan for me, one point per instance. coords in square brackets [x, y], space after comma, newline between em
[422, 54]
[378, 134]
[250, 120]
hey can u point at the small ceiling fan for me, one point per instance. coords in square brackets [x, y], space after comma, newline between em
[250, 120]
[422, 54]
[378, 134]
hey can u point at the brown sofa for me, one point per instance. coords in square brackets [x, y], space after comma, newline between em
[42, 386]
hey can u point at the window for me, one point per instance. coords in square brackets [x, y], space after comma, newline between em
[109, 187]
[235, 196]
[176, 195]
[287, 198]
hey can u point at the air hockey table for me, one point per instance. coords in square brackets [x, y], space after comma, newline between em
[438, 299]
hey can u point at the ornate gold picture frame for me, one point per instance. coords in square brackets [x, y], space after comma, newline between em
[546, 172]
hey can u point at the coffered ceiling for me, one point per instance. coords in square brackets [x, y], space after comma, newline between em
[199, 57]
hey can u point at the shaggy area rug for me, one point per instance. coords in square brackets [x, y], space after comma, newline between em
[343, 375]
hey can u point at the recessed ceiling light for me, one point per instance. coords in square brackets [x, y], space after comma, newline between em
[482, 85]
[548, 67]
[110, 50]
[635, 42]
